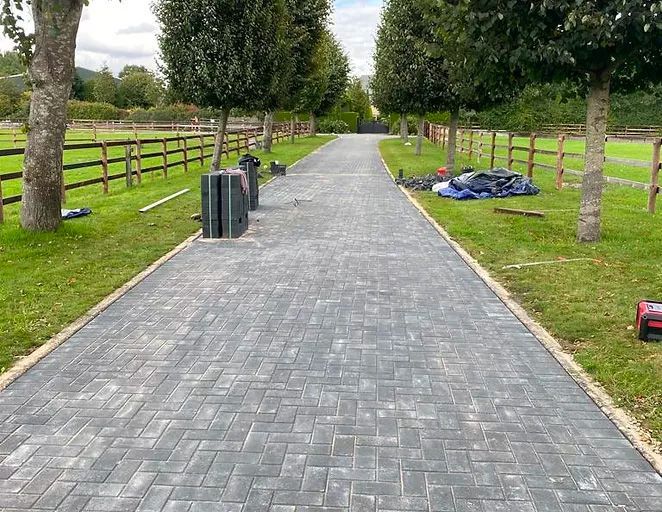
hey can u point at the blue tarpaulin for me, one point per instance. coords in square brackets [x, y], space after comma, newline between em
[497, 182]
[72, 214]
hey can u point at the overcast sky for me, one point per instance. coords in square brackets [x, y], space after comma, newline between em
[116, 33]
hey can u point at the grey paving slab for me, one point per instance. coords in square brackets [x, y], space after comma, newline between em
[339, 357]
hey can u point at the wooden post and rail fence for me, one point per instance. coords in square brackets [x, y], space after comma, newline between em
[438, 135]
[157, 157]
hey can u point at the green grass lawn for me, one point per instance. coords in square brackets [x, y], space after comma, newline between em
[588, 306]
[619, 149]
[47, 280]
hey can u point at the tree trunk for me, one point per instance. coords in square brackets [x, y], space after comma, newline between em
[597, 110]
[419, 137]
[268, 137]
[220, 139]
[404, 128]
[292, 128]
[313, 125]
[51, 72]
[452, 140]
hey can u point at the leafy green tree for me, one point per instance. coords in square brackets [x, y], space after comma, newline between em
[138, 88]
[10, 98]
[104, 86]
[49, 55]
[130, 69]
[472, 82]
[356, 99]
[325, 86]
[11, 64]
[77, 88]
[606, 44]
[279, 67]
[215, 53]
[415, 80]
[309, 19]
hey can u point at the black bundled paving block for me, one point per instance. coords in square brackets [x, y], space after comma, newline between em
[278, 169]
[224, 206]
[248, 166]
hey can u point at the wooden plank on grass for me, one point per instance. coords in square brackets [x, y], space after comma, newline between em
[164, 200]
[515, 211]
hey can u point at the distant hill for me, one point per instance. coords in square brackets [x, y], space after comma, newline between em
[19, 80]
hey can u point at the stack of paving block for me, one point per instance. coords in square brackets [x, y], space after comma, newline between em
[278, 169]
[248, 166]
[224, 205]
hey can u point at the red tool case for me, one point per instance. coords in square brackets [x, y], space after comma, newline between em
[649, 320]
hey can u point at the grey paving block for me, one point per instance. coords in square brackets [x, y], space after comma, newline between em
[319, 363]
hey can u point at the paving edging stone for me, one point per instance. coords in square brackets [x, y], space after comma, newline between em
[620, 417]
[27, 362]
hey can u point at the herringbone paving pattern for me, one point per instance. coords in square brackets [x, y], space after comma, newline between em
[339, 357]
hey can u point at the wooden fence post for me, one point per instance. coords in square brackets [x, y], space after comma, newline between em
[139, 163]
[14, 137]
[135, 131]
[510, 151]
[2, 212]
[471, 143]
[462, 141]
[492, 150]
[655, 176]
[94, 132]
[104, 166]
[63, 188]
[480, 146]
[444, 135]
[202, 150]
[185, 154]
[128, 168]
[532, 152]
[164, 142]
[559, 162]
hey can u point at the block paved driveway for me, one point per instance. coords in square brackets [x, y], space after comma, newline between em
[339, 357]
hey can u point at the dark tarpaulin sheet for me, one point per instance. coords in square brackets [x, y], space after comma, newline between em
[498, 182]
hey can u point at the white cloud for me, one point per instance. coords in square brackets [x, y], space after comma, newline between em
[355, 23]
[114, 33]
[119, 33]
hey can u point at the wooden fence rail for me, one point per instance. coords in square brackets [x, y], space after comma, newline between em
[13, 133]
[438, 135]
[191, 147]
[579, 130]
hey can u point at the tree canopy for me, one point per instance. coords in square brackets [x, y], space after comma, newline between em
[606, 44]
[219, 54]
[11, 64]
[103, 86]
[308, 22]
[356, 99]
[138, 87]
[325, 85]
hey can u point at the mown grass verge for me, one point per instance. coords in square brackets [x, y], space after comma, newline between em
[589, 306]
[47, 280]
